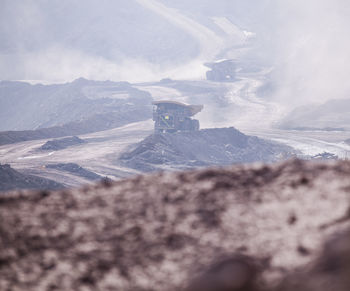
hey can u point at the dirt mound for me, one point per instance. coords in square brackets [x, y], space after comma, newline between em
[11, 179]
[330, 271]
[75, 169]
[60, 144]
[207, 147]
[160, 232]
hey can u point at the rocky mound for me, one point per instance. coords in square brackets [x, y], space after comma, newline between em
[75, 169]
[11, 179]
[162, 231]
[60, 144]
[217, 146]
[330, 271]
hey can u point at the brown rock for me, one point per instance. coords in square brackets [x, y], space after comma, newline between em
[160, 232]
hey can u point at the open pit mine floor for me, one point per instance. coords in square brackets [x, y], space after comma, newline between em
[97, 154]
[101, 150]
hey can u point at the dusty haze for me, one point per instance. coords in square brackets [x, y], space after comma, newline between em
[305, 43]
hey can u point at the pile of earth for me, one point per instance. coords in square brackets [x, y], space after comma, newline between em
[186, 150]
[75, 169]
[63, 143]
[162, 231]
[330, 271]
[11, 179]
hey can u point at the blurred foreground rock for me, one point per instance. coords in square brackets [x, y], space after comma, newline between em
[256, 227]
[331, 271]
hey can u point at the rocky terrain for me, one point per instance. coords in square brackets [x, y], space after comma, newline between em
[263, 226]
[60, 144]
[97, 154]
[186, 150]
[77, 104]
[11, 179]
[75, 170]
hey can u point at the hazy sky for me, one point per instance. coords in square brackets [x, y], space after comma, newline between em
[305, 42]
[116, 39]
[312, 60]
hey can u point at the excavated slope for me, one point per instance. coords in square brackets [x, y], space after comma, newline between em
[10, 179]
[206, 147]
[158, 232]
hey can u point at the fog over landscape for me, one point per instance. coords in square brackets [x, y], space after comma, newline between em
[305, 43]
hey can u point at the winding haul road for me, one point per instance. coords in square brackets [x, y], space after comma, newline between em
[260, 119]
[255, 116]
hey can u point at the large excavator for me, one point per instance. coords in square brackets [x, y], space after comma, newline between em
[172, 116]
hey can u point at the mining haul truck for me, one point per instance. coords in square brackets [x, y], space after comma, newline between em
[172, 116]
